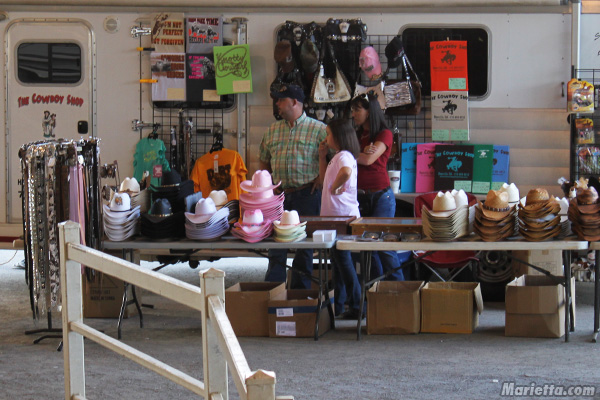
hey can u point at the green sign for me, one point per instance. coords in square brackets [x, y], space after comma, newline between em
[464, 185]
[232, 69]
[439, 135]
[457, 84]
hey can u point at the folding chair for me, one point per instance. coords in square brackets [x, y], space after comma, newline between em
[454, 261]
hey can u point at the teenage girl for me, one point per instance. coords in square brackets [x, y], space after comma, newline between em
[339, 178]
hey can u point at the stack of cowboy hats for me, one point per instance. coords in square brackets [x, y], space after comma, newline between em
[289, 228]
[138, 197]
[121, 221]
[584, 214]
[253, 227]
[449, 218]
[539, 217]
[161, 222]
[495, 219]
[172, 189]
[206, 223]
[260, 196]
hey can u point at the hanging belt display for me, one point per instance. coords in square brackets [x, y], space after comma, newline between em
[59, 182]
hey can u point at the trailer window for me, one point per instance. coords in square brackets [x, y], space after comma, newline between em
[58, 63]
[416, 43]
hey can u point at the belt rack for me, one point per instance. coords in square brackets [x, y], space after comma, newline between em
[59, 179]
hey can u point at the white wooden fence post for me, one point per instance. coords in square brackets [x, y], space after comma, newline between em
[212, 283]
[72, 310]
[261, 385]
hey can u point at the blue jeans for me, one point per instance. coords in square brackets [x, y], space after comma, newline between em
[384, 205]
[306, 204]
[345, 281]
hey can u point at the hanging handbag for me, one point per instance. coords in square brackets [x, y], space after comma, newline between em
[409, 74]
[400, 93]
[332, 87]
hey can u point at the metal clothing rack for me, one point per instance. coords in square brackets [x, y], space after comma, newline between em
[45, 191]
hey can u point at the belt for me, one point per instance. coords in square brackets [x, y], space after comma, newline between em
[296, 189]
[371, 191]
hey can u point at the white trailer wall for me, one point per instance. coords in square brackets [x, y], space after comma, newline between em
[530, 59]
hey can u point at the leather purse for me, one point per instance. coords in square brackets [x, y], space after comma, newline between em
[332, 88]
[407, 91]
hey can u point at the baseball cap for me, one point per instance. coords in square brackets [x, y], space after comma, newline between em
[291, 91]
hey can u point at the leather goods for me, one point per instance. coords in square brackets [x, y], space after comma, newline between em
[330, 87]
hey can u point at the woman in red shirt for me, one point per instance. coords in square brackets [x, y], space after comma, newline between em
[375, 197]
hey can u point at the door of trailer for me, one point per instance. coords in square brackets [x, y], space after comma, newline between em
[50, 90]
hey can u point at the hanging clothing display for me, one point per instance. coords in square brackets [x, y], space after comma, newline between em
[58, 183]
[219, 170]
[149, 152]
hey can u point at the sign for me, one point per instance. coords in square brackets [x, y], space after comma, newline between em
[201, 84]
[483, 162]
[500, 166]
[453, 167]
[168, 35]
[408, 167]
[448, 61]
[203, 33]
[169, 71]
[449, 116]
[232, 65]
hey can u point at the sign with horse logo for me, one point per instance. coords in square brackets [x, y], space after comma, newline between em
[450, 116]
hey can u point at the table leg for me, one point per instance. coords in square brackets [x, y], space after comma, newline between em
[568, 302]
[365, 267]
[326, 259]
[596, 296]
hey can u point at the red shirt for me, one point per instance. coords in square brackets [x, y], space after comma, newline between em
[375, 176]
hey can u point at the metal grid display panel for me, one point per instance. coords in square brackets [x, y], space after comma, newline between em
[413, 128]
[592, 167]
[205, 123]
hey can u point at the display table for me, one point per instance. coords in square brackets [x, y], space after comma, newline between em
[231, 247]
[471, 243]
[596, 247]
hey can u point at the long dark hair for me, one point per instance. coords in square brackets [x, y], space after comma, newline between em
[344, 136]
[369, 102]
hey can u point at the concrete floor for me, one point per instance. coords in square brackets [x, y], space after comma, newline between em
[423, 366]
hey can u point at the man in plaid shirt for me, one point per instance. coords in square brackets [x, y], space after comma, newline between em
[290, 151]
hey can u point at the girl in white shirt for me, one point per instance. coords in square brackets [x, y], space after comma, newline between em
[338, 198]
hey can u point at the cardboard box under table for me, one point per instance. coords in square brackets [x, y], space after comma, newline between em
[246, 305]
[394, 307]
[535, 307]
[450, 307]
[550, 260]
[103, 297]
[293, 313]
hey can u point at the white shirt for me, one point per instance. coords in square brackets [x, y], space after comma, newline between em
[344, 203]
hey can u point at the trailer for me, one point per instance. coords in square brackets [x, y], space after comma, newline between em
[105, 93]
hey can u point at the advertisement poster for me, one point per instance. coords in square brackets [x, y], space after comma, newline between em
[449, 116]
[483, 162]
[200, 80]
[168, 35]
[232, 65]
[202, 33]
[425, 167]
[408, 167]
[454, 167]
[448, 61]
[500, 166]
[169, 71]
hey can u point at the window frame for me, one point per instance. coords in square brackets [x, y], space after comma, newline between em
[50, 81]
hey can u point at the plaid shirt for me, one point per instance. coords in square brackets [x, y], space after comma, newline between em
[293, 153]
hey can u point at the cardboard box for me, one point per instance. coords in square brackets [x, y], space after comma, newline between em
[394, 307]
[293, 313]
[246, 306]
[102, 297]
[535, 307]
[550, 260]
[450, 307]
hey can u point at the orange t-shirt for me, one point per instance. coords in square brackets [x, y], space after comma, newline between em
[219, 170]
